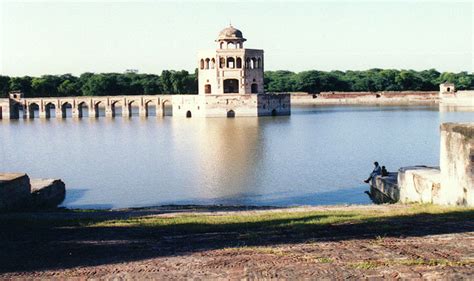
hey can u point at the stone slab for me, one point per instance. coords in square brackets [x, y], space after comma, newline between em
[47, 193]
[14, 191]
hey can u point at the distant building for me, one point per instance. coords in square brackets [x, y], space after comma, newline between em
[131, 71]
[231, 83]
[230, 69]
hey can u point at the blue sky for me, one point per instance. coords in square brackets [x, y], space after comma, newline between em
[39, 37]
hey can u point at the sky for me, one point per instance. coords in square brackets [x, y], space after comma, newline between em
[57, 37]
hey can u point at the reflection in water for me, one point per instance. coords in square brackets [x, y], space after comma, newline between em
[318, 155]
[229, 154]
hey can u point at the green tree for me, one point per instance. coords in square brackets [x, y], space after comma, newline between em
[4, 86]
[22, 84]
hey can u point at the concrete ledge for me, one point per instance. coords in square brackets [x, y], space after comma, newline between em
[18, 192]
[419, 184]
[384, 189]
[14, 191]
[47, 193]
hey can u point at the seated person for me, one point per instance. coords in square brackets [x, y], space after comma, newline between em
[384, 171]
[377, 171]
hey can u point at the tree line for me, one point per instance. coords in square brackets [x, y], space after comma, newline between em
[103, 84]
[183, 82]
[372, 80]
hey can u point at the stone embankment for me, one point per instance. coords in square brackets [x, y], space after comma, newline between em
[18, 192]
[450, 184]
[366, 98]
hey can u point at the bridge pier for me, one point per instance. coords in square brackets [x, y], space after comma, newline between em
[143, 111]
[109, 111]
[93, 112]
[59, 112]
[76, 112]
[126, 111]
[43, 114]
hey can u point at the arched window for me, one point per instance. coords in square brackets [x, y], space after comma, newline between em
[239, 63]
[259, 63]
[221, 62]
[230, 62]
[247, 63]
[206, 65]
[213, 63]
[253, 63]
[202, 64]
[221, 45]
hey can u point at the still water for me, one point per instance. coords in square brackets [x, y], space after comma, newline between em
[318, 155]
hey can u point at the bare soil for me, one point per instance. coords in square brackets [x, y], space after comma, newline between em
[418, 247]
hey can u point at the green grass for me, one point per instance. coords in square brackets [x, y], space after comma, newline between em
[292, 219]
[249, 224]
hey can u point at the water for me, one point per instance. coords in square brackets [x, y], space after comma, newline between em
[319, 155]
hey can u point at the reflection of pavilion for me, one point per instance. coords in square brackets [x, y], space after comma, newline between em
[229, 155]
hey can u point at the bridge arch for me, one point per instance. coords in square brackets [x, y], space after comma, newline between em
[33, 110]
[83, 107]
[97, 105]
[50, 109]
[116, 107]
[151, 108]
[167, 108]
[64, 108]
[231, 113]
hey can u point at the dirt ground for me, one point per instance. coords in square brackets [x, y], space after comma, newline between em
[421, 248]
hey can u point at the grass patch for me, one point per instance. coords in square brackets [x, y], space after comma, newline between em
[255, 226]
[325, 260]
[365, 265]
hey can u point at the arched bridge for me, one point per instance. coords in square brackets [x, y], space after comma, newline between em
[17, 105]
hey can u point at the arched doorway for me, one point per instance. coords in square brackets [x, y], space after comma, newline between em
[188, 114]
[231, 86]
[231, 114]
[274, 112]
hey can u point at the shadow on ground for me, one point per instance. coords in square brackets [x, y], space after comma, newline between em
[62, 239]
